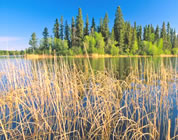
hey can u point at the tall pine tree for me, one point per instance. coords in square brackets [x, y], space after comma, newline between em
[79, 28]
[67, 33]
[61, 28]
[157, 33]
[93, 26]
[33, 41]
[119, 29]
[163, 32]
[45, 44]
[86, 29]
[56, 29]
[73, 33]
[105, 28]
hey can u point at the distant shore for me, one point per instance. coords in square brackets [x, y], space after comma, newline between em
[36, 56]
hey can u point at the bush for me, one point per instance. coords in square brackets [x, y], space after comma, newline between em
[114, 50]
[175, 51]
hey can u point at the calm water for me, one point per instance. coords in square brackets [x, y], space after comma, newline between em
[121, 68]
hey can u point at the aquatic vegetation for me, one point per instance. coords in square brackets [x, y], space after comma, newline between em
[45, 100]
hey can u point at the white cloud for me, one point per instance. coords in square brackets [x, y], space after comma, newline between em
[9, 39]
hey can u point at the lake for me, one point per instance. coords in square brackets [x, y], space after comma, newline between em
[95, 98]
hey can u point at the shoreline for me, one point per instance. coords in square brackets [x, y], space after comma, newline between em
[36, 56]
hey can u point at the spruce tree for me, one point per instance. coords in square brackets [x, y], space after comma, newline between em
[134, 40]
[127, 38]
[168, 32]
[119, 29]
[67, 33]
[61, 28]
[56, 29]
[86, 29]
[157, 33]
[149, 33]
[79, 28]
[163, 32]
[169, 45]
[45, 39]
[100, 27]
[33, 41]
[139, 33]
[164, 36]
[73, 33]
[93, 26]
[152, 29]
[105, 28]
[174, 44]
[145, 33]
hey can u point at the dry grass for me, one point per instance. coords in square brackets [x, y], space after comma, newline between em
[36, 56]
[44, 100]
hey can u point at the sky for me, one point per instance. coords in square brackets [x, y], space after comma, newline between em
[20, 18]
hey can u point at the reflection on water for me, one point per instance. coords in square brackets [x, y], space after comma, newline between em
[146, 96]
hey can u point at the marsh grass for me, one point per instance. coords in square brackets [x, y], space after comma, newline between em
[45, 100]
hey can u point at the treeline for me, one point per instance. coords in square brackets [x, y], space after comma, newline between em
[80, 36]
[5, 52]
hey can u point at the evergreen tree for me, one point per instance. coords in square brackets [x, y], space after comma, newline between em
[139, 33]
[61, 28]
[128, 37]
[157, 36]
[56, 29]
[86, 29]
[67, 33]
[149, 33]
[168, 32]
[152, 29]
[119, 29]
[174, 44]
[93, 26]
[163, 32]
[73, 33]
[169, 45]
[134, 43]
[172, 36]
[100, 27]
[105, 28]
[45, 39]
[145, 33]
[33, 41]
[79, 28]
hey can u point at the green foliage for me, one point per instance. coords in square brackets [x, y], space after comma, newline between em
[45, 43]
[93, 26]
[76, 50]
[79, 28]
[56, 29]
[60, 46]
[175, 51]
[119, 29]
[86, 29]
[61, 33]
[105, 28]
[114, 50]
[73, 33]
[67, 33]
[134, 49]
[94, 43]
[124, 38]
[99, 42]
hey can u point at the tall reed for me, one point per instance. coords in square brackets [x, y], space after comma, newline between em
[47, 100]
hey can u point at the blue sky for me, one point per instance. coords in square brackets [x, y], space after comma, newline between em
[19, 18]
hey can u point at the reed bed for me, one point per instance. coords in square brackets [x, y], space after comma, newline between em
[45, 100]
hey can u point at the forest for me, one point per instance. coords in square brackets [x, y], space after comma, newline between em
[123, 39]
